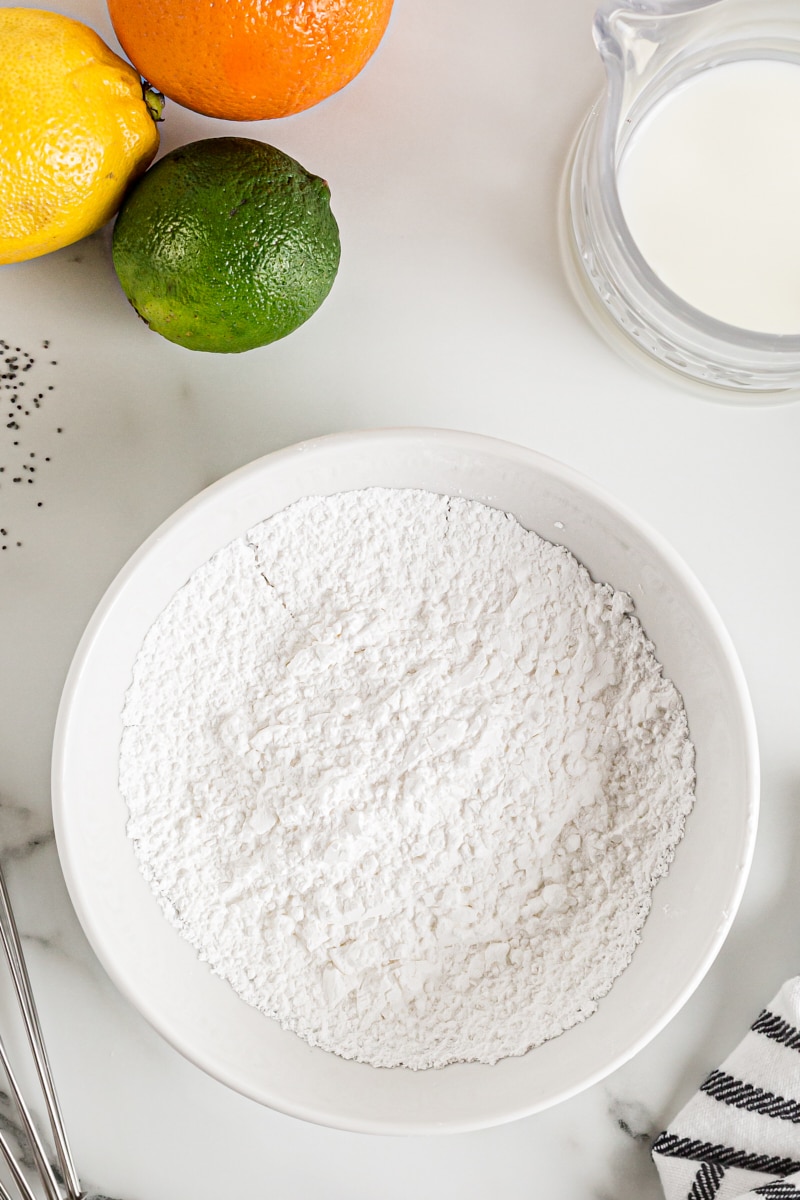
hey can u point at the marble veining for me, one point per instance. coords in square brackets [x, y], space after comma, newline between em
[629, 1169]
[20, 1146]
[633, 1119]
[23, 830]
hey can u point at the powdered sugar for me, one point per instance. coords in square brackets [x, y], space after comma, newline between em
[405, 776]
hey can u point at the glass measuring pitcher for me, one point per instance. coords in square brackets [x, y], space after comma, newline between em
[650, 50]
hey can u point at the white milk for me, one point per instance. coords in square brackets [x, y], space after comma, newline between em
[710, 188]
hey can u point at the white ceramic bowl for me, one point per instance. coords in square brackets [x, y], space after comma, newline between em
[197, 1012]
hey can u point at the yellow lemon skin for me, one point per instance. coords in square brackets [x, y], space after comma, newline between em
[74, 131]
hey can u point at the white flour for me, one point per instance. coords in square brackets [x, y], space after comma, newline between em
[405, 776]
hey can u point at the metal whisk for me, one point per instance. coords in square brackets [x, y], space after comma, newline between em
[53, 1188]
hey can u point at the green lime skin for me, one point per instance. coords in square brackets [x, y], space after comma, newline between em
[226, 244]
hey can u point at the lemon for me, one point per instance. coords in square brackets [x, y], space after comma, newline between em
[226, 244]
[74, 129]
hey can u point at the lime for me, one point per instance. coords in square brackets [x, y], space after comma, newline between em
[226, 244]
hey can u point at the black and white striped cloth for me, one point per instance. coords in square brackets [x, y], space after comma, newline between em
[739, 1136]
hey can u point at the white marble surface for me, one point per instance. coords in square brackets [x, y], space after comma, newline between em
[450, 309]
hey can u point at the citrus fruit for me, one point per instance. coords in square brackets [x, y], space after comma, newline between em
[246, 60]
[75, 128]
[226, 244]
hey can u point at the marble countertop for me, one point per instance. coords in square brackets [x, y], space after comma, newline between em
[451, 310]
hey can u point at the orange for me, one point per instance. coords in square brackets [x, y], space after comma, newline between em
[245, 60]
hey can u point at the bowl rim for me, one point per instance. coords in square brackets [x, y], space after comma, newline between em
[453, 440]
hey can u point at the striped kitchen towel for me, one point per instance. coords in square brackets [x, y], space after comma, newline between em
[739, 1136]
